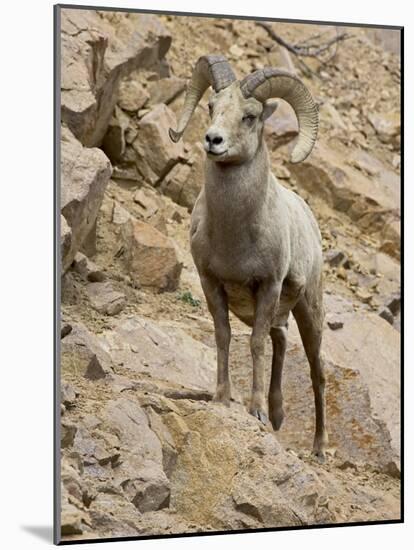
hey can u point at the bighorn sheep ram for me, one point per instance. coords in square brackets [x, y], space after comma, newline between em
[256, 245]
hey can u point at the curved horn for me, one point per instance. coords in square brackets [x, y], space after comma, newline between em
[269, 82]
[210, 70]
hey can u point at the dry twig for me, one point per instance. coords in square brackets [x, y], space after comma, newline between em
[308, 47]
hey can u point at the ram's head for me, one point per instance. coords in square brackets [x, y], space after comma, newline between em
[238, 109]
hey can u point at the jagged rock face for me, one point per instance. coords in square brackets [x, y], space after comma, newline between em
[145, 450]
[84, 176]
[98, 49]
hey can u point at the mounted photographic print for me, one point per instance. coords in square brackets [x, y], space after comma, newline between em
[228, 260]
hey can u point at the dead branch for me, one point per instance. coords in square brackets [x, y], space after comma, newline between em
[308, 48]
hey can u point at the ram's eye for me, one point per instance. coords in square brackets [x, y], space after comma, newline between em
[249, 118]
[210, 109]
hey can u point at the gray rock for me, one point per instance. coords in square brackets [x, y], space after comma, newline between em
[82, 354]
[105, 299]
[67, 394]
[140, 473]
[88, 269]
[334, 257]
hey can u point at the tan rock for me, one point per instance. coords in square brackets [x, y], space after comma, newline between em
[67, 394]
[173, 183]
[371, 202]
[282, 126]
[330, 117]
[65, 240]
[97, 52]
[120, 215]
[150, 256]
[185, 181]
[147, 203]
[387, 126]
[83, 355]
[132, 95]
[84, 176]
[166, 90]
[391, 239]
[370, 347]
[153, 146]
[72, 520]
[281, 58]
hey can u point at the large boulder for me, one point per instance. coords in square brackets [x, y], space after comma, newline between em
[141, 473]
[340, 179]
[368, 347]
[156, 153]
[150, 256]
[162, 351]
[98, 50]
[84, 176]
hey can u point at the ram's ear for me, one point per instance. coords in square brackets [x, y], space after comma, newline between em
[269, 108]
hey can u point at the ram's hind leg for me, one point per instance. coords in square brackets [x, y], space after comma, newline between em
[308, 313]
[279, 340]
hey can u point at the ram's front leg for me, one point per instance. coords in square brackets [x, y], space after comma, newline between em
[218, 306]
[266, 302]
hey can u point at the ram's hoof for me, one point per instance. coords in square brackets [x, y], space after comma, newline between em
[319, 455]
[260, 415]
[276, 418]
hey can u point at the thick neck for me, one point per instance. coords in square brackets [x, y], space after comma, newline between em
[235, 193]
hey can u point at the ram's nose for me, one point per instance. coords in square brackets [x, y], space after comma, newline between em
[214, 142]
[213, 138]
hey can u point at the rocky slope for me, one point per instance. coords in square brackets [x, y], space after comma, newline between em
[144, 450]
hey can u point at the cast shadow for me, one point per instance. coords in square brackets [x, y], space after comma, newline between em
[43, 532]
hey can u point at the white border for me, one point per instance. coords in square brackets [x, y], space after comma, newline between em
[26, 272]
